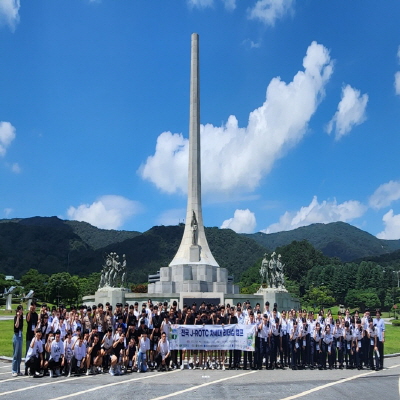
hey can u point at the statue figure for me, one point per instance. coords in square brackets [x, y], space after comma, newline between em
[123, 271]
[272, 270]
[264, 269]
[113, 272]
[279, 273]
[194, 226]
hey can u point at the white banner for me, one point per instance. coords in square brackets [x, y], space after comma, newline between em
[212, 337]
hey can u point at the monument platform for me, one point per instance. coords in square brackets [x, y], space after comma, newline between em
[188, 278]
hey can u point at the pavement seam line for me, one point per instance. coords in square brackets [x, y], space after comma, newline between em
[108, 385]
[305, 393]
[42, 384]
[202, 385]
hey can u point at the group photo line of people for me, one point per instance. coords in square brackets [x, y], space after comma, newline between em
[128, 338]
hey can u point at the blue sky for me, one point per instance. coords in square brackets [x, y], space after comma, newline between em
[300, 112]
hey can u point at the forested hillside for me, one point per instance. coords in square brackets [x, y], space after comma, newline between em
[336, 239]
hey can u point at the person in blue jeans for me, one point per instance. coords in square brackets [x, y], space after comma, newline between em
[17, 342]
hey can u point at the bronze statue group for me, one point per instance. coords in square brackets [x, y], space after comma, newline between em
[132, 338]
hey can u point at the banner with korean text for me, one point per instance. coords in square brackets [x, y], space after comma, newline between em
[212, 337]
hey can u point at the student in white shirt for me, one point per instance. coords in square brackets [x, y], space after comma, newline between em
[163, 357]
[34, 356]
[143, 353]
[380, 325]
[57, 352]
[372, 335]
[79, 356]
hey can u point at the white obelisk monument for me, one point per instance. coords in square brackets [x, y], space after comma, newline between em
[193, 268]
[194, 246]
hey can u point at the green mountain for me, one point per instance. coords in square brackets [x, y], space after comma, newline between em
[336, 239]
[52, 245]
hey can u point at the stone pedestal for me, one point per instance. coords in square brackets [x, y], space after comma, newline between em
[282, 297]
[186, 278]
[112, 295]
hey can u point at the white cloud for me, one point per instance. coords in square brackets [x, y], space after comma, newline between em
[268, 11]
[351, 112]
[385, 195]
[172, 217]
[7, 135]
[251, 43]
[235, 158]
[8, 211]
[315, 212]
[108, 212]
[200, 3]
[9, 13]
[243, 221]
[16, 168]
[397, 82]
[392, 226]
[230, 5]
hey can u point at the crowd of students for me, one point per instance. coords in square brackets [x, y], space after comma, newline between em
[91, 340]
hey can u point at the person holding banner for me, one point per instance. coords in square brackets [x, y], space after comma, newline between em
[236, 353]
[248, 355]
[221, 320]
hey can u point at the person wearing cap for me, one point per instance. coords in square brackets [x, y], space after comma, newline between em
[57, 352]
[34, 357]
[17, 342]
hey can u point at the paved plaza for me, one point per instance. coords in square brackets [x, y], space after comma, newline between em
[199, 384]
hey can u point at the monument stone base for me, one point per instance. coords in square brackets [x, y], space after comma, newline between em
[187, 278]
[111, 295]
[281, 296]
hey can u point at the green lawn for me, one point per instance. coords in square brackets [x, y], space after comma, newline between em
[392, 339]
[392, 344]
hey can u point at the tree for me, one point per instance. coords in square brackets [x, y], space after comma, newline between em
[319, 296]
[362, 299]
[63, 287]
[37, 282]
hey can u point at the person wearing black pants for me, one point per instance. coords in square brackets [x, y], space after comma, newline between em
[380, 325]
[327, 342]
[348, 349]
[358, 341]
[338, 345]
[372, 335]
[264, 333]
[275, 343]
[318, 344]
[236, 353]
[294, 345]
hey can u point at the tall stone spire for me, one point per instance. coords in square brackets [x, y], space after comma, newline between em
[194, 248]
